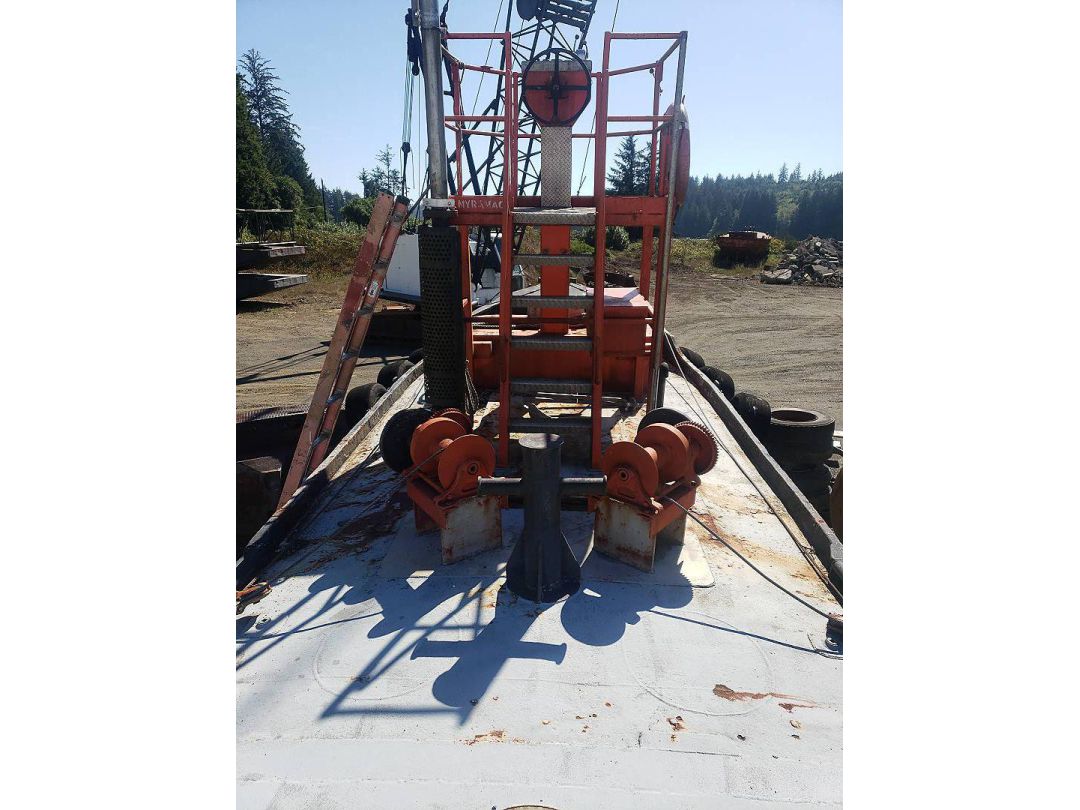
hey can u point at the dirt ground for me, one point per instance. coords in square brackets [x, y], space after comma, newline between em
[281, 340]
[782, 342]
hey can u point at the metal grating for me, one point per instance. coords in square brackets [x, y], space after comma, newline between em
[555, 216]
[556, 156]
[443, 327]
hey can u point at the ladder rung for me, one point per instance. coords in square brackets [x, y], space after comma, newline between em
[568, 301]
[565, 260]
[549, 385]
[550, 425]
[554, 344]
[555, 216]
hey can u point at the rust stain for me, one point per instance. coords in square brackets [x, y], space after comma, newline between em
[676, 724]
[727, 693]
[376, 522]
[495, 735]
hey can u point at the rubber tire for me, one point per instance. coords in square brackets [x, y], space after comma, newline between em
[755, 411]
[416, 356]
[814, 482]
[362, 399]
[396, 435]
[721, 379]
[693, 356]
[392, 370]
[800, 443]
[666, 416]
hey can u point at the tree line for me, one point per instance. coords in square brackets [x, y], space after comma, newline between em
[786, 204]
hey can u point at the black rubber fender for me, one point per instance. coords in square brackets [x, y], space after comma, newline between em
[721, 379]
[693, 356]
[397, 434]
[813, 481]
[392, 370]
[362, 399]
[667, 416]
[799, 438]
[755, 411]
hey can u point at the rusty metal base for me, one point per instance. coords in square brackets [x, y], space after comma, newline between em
[622, 532]
[473, 526]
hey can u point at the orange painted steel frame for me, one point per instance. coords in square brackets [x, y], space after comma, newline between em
[648, 212]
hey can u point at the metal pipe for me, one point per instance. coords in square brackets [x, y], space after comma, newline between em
[431, 37]
[669, 220]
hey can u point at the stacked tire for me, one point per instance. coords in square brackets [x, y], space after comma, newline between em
[801, 441]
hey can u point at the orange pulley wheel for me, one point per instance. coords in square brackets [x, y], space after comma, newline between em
[703, 449]
[428, 439]
[622, 461]
[472, 454]
[671, 447]
[457, 416]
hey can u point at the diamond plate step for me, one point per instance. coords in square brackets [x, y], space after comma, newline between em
[555, 216]
[549, 385]
[568, 301]
[565, 260]
[550, 425]
[552, 344]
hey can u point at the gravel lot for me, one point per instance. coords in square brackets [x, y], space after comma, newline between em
[782, 342]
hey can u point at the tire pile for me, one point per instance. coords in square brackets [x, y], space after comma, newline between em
[817, 260]
[799, 440]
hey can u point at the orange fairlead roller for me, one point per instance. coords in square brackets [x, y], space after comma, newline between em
[430, 438]
[670, 448]
[470, 456]
[703, 450]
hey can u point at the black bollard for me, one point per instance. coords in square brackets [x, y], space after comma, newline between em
[542, 568]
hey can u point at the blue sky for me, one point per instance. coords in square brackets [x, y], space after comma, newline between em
[763, 77]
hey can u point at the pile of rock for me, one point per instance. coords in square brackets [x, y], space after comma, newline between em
[816, 260]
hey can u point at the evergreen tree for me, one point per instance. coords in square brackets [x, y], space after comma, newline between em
[254, 182]
[783, 176]
[382, 178]
[629, 175]
[280, 136]
[796, 173]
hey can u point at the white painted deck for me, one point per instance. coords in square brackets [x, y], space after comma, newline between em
[372, 676]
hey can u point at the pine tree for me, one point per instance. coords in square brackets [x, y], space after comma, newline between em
[783, 176]
[254, 182]
[280, 136]
[625, 174]
[796, 173]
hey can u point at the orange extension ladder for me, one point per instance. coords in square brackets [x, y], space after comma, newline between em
[368, 277]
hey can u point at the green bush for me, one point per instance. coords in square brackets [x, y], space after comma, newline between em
[578, 245]
[358, 211]
[618, 238]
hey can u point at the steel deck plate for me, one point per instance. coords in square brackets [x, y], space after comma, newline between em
[374, 676]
